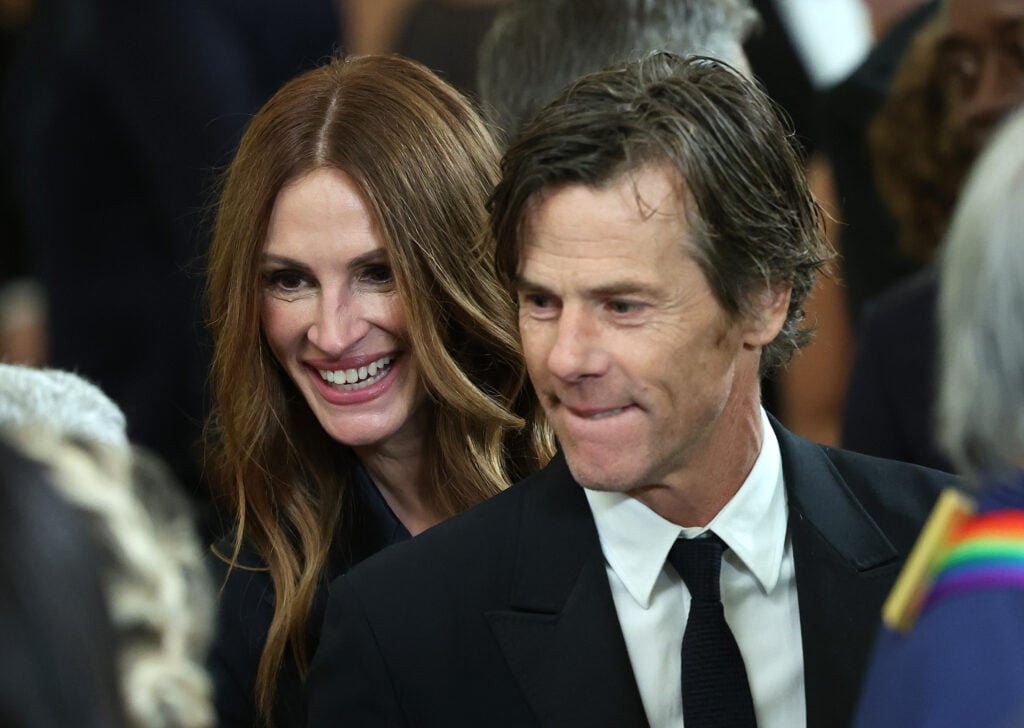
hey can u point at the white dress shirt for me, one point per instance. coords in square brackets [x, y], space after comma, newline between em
[758, 588]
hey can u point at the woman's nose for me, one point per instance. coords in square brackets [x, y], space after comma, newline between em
[338, 325]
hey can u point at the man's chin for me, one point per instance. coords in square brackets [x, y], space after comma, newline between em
[593, 476]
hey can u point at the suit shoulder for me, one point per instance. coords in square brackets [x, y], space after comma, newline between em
[897, 495]
[464, 543]
[875, 473]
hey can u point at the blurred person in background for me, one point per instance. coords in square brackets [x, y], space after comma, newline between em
[129, 531]
[891, 395]
[871, 259]
[58, 654]
[953, 653]
[535, 48]
[367, 378]
[81, 409]
[808, 56]
[976, 53]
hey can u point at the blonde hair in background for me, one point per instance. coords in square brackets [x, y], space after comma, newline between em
[155, 581]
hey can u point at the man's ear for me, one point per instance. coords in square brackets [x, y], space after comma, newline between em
[771, 310]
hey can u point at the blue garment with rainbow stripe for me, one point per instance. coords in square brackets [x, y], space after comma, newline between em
[962, 664]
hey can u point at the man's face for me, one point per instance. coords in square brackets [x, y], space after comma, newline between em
[633, 358]
[982, 66]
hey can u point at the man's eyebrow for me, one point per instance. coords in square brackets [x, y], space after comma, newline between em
[621, 288]
[609, 290]
[527, 286]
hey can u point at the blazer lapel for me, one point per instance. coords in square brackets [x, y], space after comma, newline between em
[845, 566]
[561, 635]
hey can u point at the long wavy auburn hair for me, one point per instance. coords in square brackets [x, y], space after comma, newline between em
[425, 165]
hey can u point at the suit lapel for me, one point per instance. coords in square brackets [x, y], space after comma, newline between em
[561, 635]
[845, 566]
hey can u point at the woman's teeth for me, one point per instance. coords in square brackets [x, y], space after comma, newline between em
[351, 379]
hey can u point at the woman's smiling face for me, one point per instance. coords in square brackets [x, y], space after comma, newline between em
[332, 316]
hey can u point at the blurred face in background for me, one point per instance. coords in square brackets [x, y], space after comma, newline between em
[332, 316]
[981, 60]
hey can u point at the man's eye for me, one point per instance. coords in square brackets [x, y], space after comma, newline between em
[623, 307]
[534, 300]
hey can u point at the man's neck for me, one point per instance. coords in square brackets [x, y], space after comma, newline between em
[715, 470]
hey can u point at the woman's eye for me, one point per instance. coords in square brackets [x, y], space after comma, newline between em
[379, 273]
[287, 284]
[285, 280]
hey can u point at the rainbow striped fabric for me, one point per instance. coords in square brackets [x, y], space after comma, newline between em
[985, 552]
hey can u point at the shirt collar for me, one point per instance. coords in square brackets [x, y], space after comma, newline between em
[636, 540]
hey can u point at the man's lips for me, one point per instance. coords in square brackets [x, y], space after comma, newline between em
[591, 412]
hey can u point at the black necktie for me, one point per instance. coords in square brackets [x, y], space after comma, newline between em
[715, 687]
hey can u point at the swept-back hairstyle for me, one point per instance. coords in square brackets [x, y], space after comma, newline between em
[753, 223]
[536, 47]
[980, 412]
[425, 164]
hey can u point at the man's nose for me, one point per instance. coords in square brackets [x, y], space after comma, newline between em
[578, 350]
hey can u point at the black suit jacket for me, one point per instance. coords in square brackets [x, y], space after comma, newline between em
[504, 615]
